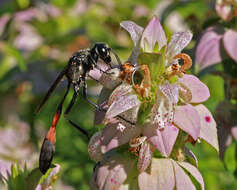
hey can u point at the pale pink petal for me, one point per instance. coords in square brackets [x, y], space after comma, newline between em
[171, 91]
[95, 73]
[152, 35]
[112, 171]
[185, 93]
[122, 104]
[28, 38]
[183, 182]
[208, 51]
[163, 139]
[194, 172]
[160, 177]
[129, 117]
[187, 118]
[224, 11]
[99, 176]
[208, 126]
[134, 30]
[178, 42]
[234, 132]
[162, 112]
[94, 147]
[110, 79]
[113, 137]
[199, 90]
[189, 153]
[145, 156]
[122, 90]
[230, 43]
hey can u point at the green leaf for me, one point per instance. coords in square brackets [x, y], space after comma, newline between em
[230, 161]
[144, 113]
[13, 52]
[23, 3]
[155, 62]
[33, 179]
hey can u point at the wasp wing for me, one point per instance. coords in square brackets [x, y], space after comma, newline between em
[51, 89]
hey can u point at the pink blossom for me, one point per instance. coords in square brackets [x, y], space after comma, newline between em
[210, 50]
[138, 125]
[226, 9]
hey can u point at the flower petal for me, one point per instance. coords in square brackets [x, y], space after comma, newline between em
[164, 139]
[113, 137]
[208, 126]
[199, 90]
[94, 147]
[112, 171]
[162, 112]
[224, 11]
[160, 177]
[122, 90]
[194, 172]
[134, 30]
[234, 132]
[145, 156]
[171, 91]
[208, 50]
[178, 42]
[230, 43]
[122, 99]
[153, 34]
[103, 103]
[110, 79]
[122, 104]
[187, 118]
[183, 182]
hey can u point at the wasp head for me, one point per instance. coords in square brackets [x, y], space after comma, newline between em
[103, 51]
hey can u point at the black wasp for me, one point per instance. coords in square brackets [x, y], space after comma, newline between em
[76, 72]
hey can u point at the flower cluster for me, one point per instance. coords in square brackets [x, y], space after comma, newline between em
[218, 45]
[153, 109]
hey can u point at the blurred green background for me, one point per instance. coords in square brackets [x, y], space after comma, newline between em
[36, 40]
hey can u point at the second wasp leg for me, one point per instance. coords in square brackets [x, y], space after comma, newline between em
[70, 121]
[84, 93]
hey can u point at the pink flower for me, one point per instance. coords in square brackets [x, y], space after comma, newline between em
[226, 9]
[147, 117]
[210, 50]
[117, 171]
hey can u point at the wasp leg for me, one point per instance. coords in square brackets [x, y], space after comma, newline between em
[84, 93]
[120, 117]
[68, 109]
[52, 88]
[97, 106]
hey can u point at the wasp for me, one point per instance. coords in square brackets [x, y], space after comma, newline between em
[76, 72]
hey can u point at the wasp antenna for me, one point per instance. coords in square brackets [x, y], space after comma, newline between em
[116, 56]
